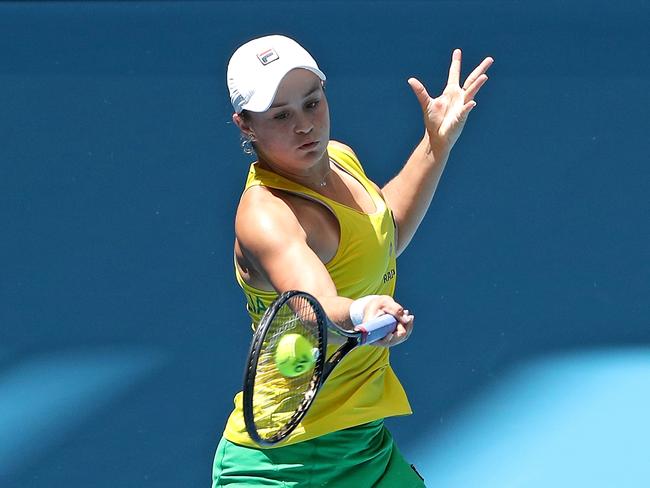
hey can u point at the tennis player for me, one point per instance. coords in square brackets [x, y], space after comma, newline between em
[310, 219]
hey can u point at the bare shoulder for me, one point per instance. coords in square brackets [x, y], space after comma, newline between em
[263, 219]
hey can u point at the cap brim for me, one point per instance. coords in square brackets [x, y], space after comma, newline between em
[263, 98]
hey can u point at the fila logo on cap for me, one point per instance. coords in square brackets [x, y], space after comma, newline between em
[268, 56]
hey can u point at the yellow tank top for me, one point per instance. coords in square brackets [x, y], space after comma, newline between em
[363, 387]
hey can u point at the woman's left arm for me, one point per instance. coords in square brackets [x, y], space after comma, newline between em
[410, 192]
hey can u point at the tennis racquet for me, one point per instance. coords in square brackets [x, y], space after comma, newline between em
[275, 404]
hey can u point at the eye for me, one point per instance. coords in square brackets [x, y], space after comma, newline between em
[313, 104]
[281, 115]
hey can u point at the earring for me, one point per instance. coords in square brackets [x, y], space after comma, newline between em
[247, 144]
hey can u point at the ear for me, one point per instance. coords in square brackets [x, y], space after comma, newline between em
[243, 125]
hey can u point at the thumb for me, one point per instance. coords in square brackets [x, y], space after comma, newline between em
[420, 92]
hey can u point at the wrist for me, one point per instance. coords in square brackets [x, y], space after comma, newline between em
[358, 308]
[435, 149]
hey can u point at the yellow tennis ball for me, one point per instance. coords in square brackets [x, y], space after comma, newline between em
[294, 355]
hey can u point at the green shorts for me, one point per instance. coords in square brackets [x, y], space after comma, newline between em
[359, 457]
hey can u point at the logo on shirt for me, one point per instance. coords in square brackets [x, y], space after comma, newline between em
[389, 275]
[268, 56]
[255, 304]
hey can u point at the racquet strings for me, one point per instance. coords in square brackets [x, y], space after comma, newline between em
[275, 397]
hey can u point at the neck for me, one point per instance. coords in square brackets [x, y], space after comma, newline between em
[316, 177]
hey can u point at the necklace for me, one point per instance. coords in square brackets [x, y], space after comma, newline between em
[323, 183]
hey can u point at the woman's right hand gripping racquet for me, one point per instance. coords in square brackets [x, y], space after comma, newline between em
[287, 362]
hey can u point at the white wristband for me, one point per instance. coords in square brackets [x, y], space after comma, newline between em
[358, 307]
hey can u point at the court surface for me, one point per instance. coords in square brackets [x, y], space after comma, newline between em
[123, 333]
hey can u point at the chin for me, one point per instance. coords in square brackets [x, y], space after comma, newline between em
[321, 148]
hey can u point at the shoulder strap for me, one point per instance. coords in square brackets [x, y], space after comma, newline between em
[346, 159]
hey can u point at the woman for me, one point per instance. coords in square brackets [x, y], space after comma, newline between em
[310, 219]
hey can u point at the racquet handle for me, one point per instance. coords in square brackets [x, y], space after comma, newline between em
[376, 329]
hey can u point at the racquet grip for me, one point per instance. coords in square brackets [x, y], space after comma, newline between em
[376, 329]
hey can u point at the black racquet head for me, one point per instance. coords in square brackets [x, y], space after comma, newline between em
[274, 403]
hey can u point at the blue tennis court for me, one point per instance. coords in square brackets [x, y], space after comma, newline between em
[123, 332]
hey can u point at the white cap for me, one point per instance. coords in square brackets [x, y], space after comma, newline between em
[256, 69]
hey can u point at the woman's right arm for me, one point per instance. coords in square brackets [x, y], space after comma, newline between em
[274, 242]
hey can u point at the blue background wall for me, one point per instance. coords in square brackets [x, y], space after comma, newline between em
[123, 334]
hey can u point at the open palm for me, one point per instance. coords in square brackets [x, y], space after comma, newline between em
[445, 116]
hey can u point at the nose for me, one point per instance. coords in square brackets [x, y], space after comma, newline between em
[303, 124]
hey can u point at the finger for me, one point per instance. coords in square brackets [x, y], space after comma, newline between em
[382, 305]
[472, 90]
[454, 68]
[478, 71]
[404, 318]
[467, 108]
[394, 309]
[399, 334]
[420, 92]
[407, 322]
[408, 326]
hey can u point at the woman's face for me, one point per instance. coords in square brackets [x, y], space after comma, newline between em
[294, 132]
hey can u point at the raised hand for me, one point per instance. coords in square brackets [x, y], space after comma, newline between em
[445, 116]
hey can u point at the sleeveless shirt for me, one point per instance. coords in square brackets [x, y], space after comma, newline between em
[363, 387]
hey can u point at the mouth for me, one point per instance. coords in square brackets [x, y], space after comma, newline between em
[309, 145]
